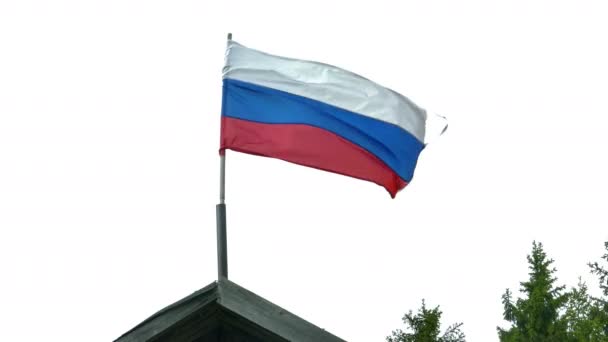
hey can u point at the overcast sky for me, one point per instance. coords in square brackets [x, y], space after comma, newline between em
[109, 130]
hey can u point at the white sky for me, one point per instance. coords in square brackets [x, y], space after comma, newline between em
[109, 129]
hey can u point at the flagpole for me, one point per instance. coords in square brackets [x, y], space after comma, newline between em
[220, 215]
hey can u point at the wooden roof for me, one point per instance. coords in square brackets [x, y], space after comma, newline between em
[224, 311]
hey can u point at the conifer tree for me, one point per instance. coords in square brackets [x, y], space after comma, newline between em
[583, 317]
[602, 271]
[536, 316]
[600, 309]
[424, 326]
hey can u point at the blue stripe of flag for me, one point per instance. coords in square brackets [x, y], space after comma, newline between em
[396, 147]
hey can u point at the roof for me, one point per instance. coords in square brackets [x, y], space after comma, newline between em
[224, 311]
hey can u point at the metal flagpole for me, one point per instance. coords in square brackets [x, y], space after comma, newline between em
[220, 215]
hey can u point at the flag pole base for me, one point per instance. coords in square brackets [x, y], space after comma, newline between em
[222, 246]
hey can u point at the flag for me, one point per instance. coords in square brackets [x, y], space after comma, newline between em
[318, 115]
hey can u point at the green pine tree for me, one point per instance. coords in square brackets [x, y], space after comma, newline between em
[583, 316]
[536, 316]
[424, 326]
[600, 309]
[602, 271]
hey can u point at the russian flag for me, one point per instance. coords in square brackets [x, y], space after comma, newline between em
[320, 116]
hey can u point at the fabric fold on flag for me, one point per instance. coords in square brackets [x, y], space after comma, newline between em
[320, 116]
